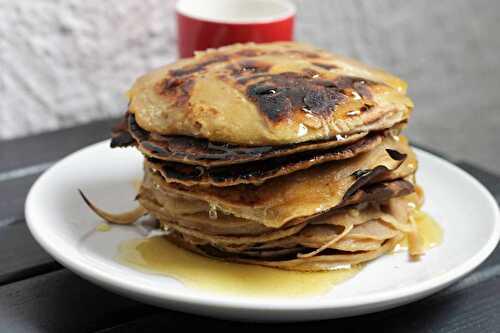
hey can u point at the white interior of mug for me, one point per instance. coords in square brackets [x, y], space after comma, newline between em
[236, 11]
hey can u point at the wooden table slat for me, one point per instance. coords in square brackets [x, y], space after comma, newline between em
[60, 301]
[20, 256]
[13, 196]
[51, 146]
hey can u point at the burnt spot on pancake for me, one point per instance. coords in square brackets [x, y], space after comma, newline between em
[247, 79]
[198, 67]
[280, 96]
[310, 72]
[366, 176]
[171, 83]
[178, 89]
[359, 85]
[362, 109]
[360, 173]
[396, 155]
[379, 192]
[258, 171]
[120, 136]
[325, 66]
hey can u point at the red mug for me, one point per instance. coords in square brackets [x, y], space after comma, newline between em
[203, 24]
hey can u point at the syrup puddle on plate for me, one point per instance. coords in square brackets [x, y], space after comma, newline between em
[103, 227]
[158, 256]
[429, 232]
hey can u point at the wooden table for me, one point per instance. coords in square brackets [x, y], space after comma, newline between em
[39, 295]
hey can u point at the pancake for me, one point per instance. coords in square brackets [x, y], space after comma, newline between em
[301, 193]
[267, 94]
[363, 228]
[198, 215]
[286, 258]
[259, 171]
[194, 151]
[281, 155]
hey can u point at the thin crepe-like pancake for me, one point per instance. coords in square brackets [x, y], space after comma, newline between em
[328, 261]
[305, 192]
[194, 151]
[259, 171]
[198, 215]
[268, 94]
[368, 232]
[178, 206]
[195, 215]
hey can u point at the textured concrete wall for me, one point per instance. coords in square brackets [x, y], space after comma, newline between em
[68, 62]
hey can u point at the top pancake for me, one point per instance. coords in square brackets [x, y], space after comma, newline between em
[267, 94]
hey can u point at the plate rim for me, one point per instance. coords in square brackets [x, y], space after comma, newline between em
[147, 293]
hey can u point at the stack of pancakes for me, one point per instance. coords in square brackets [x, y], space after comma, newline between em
[275, 154]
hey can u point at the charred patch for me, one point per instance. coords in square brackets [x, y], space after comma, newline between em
[258, 171]
[135, 130]
[379, 192]
[178, 89]
[360, 173]
[245, 80]
[279, 96]
[310, 72]
[396, 155]
[171, 83]
[325, 66]
[361, 86]
[184, 92]
[198, 67]
[189, 149]
[365, 176]
[365, 107]
[120, 136]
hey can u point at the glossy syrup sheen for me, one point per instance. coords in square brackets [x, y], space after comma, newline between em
[157, 255]
[429, 232]
[103, 227]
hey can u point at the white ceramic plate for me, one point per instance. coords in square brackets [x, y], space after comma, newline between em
[65, 227]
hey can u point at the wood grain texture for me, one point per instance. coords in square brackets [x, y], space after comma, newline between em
[51, 146]
[20, 256]
[62, 302]
[23, 160]
[12, 197]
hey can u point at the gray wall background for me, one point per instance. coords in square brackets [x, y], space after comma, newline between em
[68, 62]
